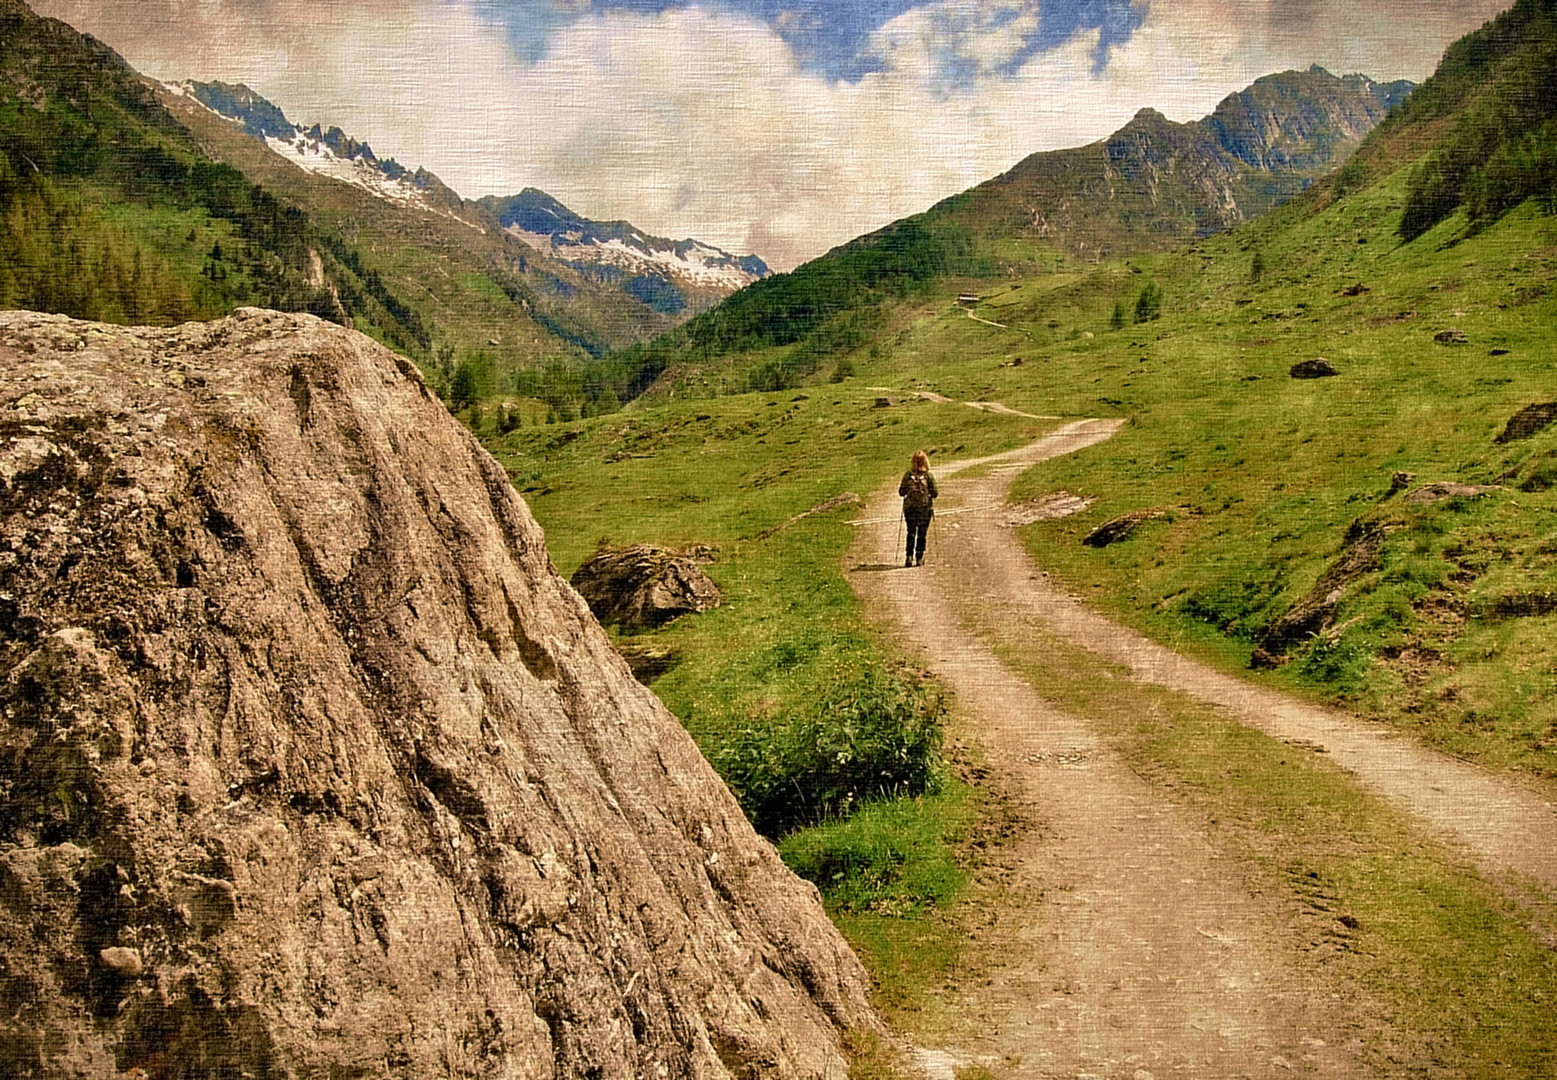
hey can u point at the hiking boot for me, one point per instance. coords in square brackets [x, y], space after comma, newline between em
[908, 561]
[919, 561]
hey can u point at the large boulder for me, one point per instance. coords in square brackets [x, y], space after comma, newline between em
[311, 765]
[641, 586]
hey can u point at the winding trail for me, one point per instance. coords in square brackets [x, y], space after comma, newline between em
[1138, 955]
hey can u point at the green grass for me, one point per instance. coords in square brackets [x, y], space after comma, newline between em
[891, 876]
[1263, 476]
[894, 857]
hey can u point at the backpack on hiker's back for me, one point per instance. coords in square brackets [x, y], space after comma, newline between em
[917, 499]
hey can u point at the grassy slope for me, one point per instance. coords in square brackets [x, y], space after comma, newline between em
[1271, 472]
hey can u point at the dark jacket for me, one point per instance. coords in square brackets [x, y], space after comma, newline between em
[902, 490]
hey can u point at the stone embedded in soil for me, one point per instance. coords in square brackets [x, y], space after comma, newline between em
[1441, 490]
[1316, 610]
[315, 767]
[1122, 527]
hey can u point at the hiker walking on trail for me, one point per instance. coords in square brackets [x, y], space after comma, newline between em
[919, 494]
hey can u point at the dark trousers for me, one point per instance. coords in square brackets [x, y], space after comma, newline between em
[917, 527]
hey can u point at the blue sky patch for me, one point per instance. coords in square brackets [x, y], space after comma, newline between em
[832, 37]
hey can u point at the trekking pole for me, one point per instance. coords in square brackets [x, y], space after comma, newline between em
[893, 559]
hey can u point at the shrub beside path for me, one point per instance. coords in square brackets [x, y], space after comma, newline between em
[1128, 950]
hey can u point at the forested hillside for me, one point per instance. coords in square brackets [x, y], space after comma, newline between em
[1496, 93]
[111, 212]
[126, 201]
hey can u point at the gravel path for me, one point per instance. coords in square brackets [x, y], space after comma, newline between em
[1133, 955]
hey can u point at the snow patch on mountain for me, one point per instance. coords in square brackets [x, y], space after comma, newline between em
[689, 263]
[330, 154]
[656, 268]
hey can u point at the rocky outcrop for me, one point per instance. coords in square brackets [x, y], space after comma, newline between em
[1527, 422]
[1315, 612]
[311, 764]
[642, 586]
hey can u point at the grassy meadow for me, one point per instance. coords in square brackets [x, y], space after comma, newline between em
[1264, 476]
[1264, 479]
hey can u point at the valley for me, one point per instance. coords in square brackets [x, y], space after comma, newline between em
[1247, 485]
[1216, 736]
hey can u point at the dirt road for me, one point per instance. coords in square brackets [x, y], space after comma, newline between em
[1127, 950]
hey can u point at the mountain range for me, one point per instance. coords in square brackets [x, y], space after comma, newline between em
[1154, 183]
[1150, 186]
[265, 211]
[331, 153]
[673, 277]
[665, 274]
[127, 200]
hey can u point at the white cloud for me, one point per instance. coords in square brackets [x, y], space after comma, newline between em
[952, 40]
[699, 123]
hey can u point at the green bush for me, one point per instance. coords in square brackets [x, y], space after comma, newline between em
[891, 855]
[464, 387]
[876, 735]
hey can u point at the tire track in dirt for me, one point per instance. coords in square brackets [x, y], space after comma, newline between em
[1135, 956]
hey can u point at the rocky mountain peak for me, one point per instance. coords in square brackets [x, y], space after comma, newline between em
[314, 764]
[673, 276]
[323, 151]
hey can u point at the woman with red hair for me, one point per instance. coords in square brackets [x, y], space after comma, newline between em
[919, 494]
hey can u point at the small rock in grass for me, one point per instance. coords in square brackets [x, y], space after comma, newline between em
[1317, 368]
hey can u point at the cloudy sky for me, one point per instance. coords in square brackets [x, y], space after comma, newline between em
[780, 127]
